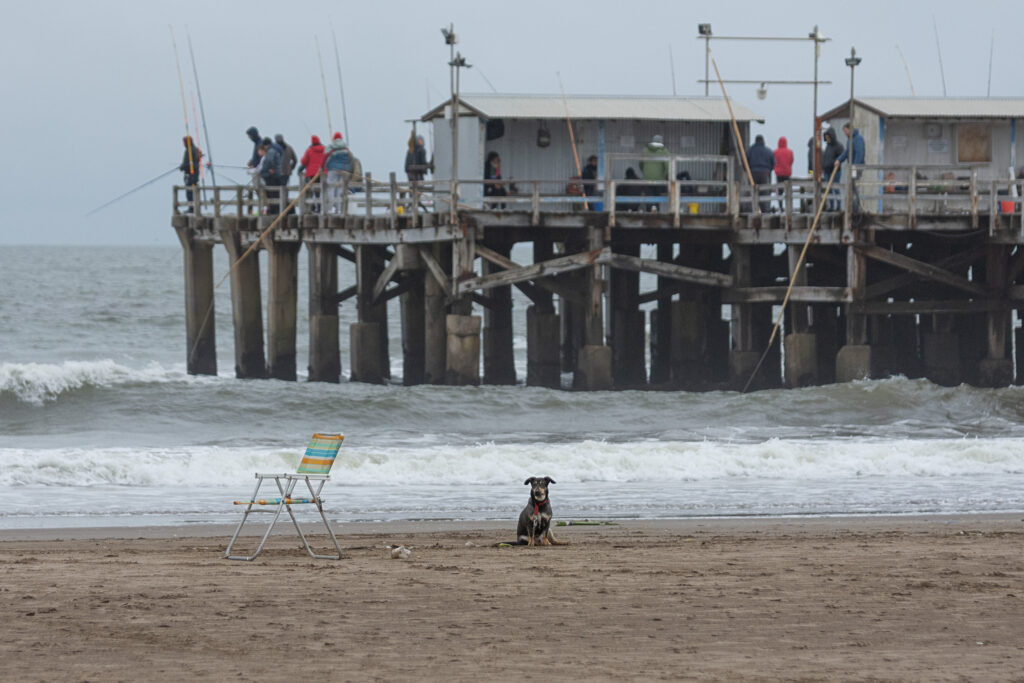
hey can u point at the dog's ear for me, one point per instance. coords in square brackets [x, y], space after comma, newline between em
[550, 480]
[529, 481]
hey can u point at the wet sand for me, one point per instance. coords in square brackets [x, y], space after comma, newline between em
[893, 598]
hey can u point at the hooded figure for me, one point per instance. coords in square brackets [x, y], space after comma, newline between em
[416, 165]
[289, 158]
[651, 169]
[254, 135]
[190, 166]
[783, 161]
[338, 165]
[312, 159]
[829, 153]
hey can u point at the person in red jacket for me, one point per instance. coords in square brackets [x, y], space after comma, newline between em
[309, 166]
[783, 166]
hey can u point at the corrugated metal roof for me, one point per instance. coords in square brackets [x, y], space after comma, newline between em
[937, 107]
[581, 107]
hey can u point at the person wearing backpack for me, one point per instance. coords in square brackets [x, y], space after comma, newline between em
[339, 169]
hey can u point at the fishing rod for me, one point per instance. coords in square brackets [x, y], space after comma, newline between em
[184, 107]
[199, 143]
[792, 279]
[907, 69]
[938, 47]
[323, 82]
[341, 87]
[202, 110]
[134, 189]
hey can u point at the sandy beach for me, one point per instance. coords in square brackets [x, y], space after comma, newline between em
[895, 598]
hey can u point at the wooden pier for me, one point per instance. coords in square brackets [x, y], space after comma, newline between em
[918, 281]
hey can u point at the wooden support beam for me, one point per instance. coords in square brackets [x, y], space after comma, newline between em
[482, 299]
[926, 270]
[671, 270]
[346, 294]
[436, 271]
[665, 292]
[346, 253]
[807, 294]
[955, 261]
[384, 279]
[927, 307]
[546, 284]
[562, 264]
[403, 286]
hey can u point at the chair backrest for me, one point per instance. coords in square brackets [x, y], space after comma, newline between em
[320, 453]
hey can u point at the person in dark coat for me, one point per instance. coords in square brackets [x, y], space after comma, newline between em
[829, 153]
[190, 166]
[590, 173]
[629, 191]
[762, 163]
[288, 159]
[492, 171]
[272, 173]
[416, 164]
[257, 142]
[855, 152]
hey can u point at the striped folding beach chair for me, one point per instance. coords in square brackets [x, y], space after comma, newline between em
[315, 467]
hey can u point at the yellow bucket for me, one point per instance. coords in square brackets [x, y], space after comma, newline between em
[693, 207]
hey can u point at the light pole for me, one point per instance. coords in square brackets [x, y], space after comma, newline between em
[705, 30]
[455, 62]
[852, 61]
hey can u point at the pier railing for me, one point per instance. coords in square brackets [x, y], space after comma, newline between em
[697, 185]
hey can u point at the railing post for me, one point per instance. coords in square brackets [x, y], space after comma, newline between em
[415, 187]
[216, 201]
[787, 197]
[673, 188]
[369, 195]
[993, 217]
[344, 195]
[610, 201]
[535, 204]
[912, 198]
[394, 199]
[974, 197]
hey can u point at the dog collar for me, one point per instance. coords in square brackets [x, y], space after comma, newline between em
[537, 506]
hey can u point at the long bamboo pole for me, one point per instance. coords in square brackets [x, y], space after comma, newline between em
[341, 86]
[736, 132]
[792, 279]
[572, 134]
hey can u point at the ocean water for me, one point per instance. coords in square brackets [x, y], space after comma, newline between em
[101, 425]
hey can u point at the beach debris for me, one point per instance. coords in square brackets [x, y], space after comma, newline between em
[400, 552]
[470, 544]
[586, 522]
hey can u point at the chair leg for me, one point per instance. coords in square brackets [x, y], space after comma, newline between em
[316, 497]
[263, 541]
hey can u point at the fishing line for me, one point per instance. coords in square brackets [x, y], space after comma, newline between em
[134, 189]
[323, 82]
[202, 110]
[792, 280]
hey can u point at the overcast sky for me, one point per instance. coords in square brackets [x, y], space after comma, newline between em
[92, 106]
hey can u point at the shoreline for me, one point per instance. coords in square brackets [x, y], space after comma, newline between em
[390, 527]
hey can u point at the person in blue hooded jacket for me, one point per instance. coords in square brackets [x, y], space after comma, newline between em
[272, 173]
[338, 165]
[254, 135]
[855, 153]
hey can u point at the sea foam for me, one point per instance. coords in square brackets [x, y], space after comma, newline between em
[583, 461]
[38, 383]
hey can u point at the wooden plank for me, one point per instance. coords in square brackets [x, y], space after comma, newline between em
[671, 270]
[346, 253]
[403, 286]
[346, 294]
[927, 307]
[562, 264]
[926, 270]
[955, 261]
[383, 236]
[663, 292]
[436, 271]
[753, 295]
[385, 278]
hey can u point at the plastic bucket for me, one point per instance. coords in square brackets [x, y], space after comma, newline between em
[1007, 207]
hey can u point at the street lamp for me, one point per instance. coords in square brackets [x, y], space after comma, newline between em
[705, 30]
[852, 61]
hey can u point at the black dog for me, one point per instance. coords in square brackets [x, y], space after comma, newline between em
[535, 519]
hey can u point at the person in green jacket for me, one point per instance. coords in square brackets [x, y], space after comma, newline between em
[652, 169]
